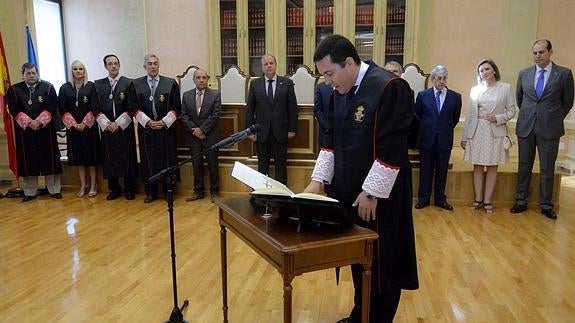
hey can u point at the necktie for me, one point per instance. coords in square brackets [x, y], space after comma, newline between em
[270, 91]
[199, 101]
[112, 85]
[438, 101]
[152, 91]
[540, 83]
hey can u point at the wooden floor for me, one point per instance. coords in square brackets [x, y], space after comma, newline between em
[91, 260]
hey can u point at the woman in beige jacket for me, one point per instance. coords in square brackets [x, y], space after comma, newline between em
[491, 106]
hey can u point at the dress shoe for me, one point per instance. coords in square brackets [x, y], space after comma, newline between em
[113, 195]
[130, 196]
[421, 205]
[444, 205]
[549, 213]
[518, 208]
[28, 198]
[56, 196]
[194, 197]
[215, 195]
[150, 198]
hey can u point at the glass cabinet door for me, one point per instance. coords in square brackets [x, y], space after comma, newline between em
[294, 35]
[324, 10]
[229, 34]
[256, 35]
[364, 29]
[395, 28]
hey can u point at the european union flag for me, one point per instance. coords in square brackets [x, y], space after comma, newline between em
[32, 58]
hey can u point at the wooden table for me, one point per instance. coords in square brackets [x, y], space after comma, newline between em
[293, 253]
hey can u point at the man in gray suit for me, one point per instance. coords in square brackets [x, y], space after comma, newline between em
[200, 113]
[544, 97]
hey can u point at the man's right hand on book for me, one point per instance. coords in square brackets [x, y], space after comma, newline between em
[313, 187]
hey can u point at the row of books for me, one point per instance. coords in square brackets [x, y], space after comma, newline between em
[396, 14]
[324, 16]
[292, 67]
[229, 47]
[228, 19]
[256, 17]
[294, 17]
[295, 45]
[394, 44]
[364, 14]
[257, 46]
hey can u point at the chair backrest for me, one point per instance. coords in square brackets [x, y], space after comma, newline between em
[416, 78]
[304, 82]
[186, 80]
[233, 86]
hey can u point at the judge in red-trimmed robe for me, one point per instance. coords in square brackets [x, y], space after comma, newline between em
[366, 162]
[76, 101]
[32, 103]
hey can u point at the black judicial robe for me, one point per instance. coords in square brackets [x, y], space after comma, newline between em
[382, 110]
[36, 150]
[118, 148]
[157, 147]
[83, 146]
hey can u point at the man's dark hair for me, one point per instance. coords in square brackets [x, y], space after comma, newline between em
[28, 66]
[549, 46]
[338, 48]
[108, 56]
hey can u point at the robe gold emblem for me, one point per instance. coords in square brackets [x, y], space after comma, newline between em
[359, 114]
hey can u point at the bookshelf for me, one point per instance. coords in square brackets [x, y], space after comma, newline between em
[291, 30]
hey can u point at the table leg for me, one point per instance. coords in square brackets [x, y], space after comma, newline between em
[366, 284]
[287, 299]
[224, 262]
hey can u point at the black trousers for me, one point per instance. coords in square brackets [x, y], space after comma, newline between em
[382, 306]
[434, 163]
[279, 151]
[129, 185]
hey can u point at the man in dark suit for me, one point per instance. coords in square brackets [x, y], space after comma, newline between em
[155, 102]
[544, 96]
[438, 109]
[200, 113]
[273, 105]
[117, 130]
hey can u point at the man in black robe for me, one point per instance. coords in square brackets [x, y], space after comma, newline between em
[117, 129]
[155, 102]
[366, 161]
[33, 103]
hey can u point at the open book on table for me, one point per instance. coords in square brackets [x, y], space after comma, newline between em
[265, 186]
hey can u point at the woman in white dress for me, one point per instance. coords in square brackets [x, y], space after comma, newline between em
[491, 106]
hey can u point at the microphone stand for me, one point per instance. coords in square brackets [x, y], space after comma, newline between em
[169, 175]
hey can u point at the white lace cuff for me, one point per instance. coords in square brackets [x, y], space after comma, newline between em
[380, 179]
[169, 118]
[142, 118]
[103, 121]
[324, 167]
[124, 120]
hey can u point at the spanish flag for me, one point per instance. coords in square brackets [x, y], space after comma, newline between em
[4, 85]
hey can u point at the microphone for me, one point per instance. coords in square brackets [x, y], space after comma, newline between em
[251, 130]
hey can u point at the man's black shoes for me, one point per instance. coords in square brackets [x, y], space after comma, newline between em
[444, 205]
[518, 208]
[549, 213]
[421, 205]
